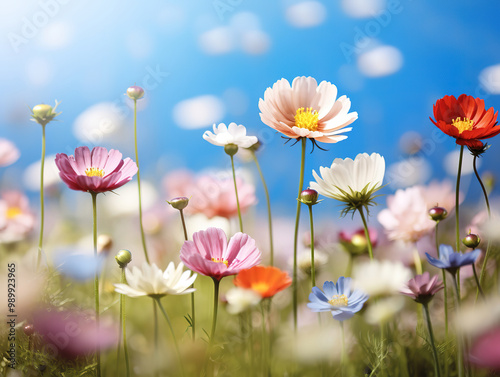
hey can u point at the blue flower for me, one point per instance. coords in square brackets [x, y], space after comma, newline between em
[451, 260]
[81, 267]
[337, 298]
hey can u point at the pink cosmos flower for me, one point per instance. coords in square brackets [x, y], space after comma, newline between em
[306, 109]
[210, 195]
[96, 171]
[8, 152]
[422, 287]
[16, 218]
[485, 350]
[210, 254]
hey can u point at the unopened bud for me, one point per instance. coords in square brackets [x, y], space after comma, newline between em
[471, 241]
[43, 114]
[123, 257]
[29, 329]
[135, 92]
[104, 243]
[231, 149]
[309, 197]
[179, 203]
[438, 213]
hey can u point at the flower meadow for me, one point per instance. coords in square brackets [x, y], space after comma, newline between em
[208, 292]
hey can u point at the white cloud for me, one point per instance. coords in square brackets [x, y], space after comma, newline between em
[139, 44]
[363, 8]
[306, 14]
[408, 172]
[100, 122]
[380, 61]
[199, 112]
[451, 163]
[255, 42]
[126, 200]
[489, 78]
[31, 176]
[39, 72]
[217, 41]
[56, 35]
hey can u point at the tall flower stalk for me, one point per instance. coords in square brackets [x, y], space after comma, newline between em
[310, 197]
[123, 258]
[42, 114]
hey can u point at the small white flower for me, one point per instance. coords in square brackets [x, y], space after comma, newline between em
[232, 134]
[151, 281]
[351, 181]
[381, 278]
[383, 310]
[240, 299]
[304, 261]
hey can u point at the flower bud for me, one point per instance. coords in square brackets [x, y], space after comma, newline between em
[43, 114]
[471, 241]
[309, 197]
[104, 243]
[29, 329]
[179, 203]
[135, 92]
[255, 147]
[231, 149]
[438, 213]
[123, 257]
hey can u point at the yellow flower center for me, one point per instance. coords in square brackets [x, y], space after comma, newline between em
[307, 118]
[464, 124]
[94, 172]
[220, 260]
[260, 287]
[338, 300]
[13, 212]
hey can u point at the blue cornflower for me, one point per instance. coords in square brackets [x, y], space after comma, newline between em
[337, 298]
[450, 260]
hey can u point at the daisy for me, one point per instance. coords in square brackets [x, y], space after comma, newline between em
[232, 134]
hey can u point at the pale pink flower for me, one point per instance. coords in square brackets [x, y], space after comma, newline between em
[306, 109]
[422, 287]
[96, 171]
[210, 254]
[16, 217]
[8, 152]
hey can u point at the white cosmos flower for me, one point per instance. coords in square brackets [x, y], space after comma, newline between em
[240, 299]
[306, 109]
[151, 281]
[351, 181]
[381, 278]
[232, 134]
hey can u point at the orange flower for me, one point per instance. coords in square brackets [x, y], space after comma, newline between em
[267, 281]
[465, 119]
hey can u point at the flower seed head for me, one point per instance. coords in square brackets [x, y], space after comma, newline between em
[231, 149]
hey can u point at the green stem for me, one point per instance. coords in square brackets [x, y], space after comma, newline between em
[268, 207]
[313, 270]
[485, 193]
[296, 233]
[480, 290]
[265, 349]
[216, 306]
[143, 237]
[42, 206]
[156, 336]
[96, 279]
[183, 225]
[350, 262]
[445, 288]
[437, 369]
[460, 362]
[236, 192]
[165, 315]
[367, 233]
[343, 351]
[193, 326]
[123, 324]
[457, 192]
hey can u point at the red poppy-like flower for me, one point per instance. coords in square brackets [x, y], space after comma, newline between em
[96, 171]
[465, 119]
[267, 281]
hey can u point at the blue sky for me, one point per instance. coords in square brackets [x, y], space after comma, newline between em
[393, 59]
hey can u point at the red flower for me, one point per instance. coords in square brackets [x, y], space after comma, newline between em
[465, 119]
[267, 281]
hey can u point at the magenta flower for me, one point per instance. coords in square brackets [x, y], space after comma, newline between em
[422, 287]
[485, 350]
[96, 171]
[210, 254]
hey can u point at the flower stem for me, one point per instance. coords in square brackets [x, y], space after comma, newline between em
[350, 262]
[193, 326]
[123, 327]
[216, 306]
[417, 261]
[96, 279]
[42, 206]
[460, 361]
[343, 351]
[265, 342]
[143, 237]
[479, 289]
[313, 270]
[486, 256]
[268, 207]
[445, 288]
[457, 192]
[296, 233]
[367, 233]
[236, 192]
[437, 369]
[165, 315]
[156, 337]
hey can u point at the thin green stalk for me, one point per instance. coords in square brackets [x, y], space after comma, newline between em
[156, 336]
[96, 279]
[457, 192]
[193, 323]
[445, 288]
[480, 290]
[486, 256]
[296, 233]
[313, 269]
[268, 207]
[216, 306]
[236, 192]
[437, 369]
[417, 261]
[367, 233]
[143, 237]
[42, 206]
[165, 315]
[460, 361]
[123, 327]
[343, 351]
[265, 348]
[350, 262]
